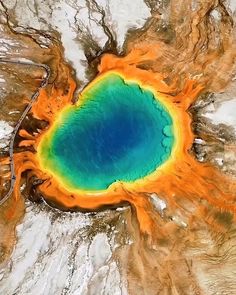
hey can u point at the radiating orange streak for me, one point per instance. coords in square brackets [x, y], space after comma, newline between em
[26, 143]
[6, 175]
[50, 103]
[182, 177]
[23, 133]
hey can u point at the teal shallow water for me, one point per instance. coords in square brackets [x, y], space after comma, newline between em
[119, 133]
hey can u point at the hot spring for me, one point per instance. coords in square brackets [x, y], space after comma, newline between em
[118, 131]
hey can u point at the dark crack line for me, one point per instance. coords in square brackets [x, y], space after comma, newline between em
[111, 42]
[27, 31]
[24, 114]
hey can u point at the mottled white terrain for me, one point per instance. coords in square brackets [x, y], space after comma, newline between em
[75, 20]
[5, 133]
[55, 255]
[225, 113]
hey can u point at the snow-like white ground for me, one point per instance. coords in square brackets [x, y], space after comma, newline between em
[54, 255]
[5, 133]
[69, 17]
[225, 113]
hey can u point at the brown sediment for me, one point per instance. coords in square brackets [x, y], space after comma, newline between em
[11, 212]
[192, 42]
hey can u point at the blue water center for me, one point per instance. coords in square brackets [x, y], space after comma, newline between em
[120, 132]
